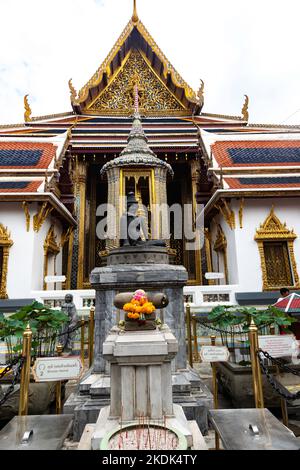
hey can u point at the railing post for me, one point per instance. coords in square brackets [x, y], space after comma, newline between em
[82, 340]
[195, 338]
[215, 389]
[189, 334]
[59, 350]
[91, 335]
[256, 372]
[284, 411]
[25, 373]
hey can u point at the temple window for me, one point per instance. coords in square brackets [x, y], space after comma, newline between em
[5, 244]
[220, 247]
[276, 248]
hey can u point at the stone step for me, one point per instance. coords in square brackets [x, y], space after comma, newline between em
[101, 387]
[86, 384]
[180, 384]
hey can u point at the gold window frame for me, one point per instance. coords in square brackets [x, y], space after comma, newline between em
[50, 247]
[220, 246]
[274, 230]
[5, 244]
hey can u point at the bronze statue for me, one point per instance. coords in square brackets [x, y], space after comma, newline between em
[69, 308]
[134, 228]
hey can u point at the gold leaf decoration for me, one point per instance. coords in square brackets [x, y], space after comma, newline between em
[118, 97]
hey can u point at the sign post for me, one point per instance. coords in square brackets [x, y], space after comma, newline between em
[256, 372]
[278, 346]
[59, 350]
[214, 354]
[25, 374]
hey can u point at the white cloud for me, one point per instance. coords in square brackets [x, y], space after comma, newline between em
[235, 46]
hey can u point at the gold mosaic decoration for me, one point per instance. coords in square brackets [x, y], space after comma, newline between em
[118, 97]
[105, 67]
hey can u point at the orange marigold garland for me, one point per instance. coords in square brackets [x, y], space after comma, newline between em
[138, 306]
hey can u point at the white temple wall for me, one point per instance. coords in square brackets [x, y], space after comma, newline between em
[26, 255]
[231, 250]
[247, 255]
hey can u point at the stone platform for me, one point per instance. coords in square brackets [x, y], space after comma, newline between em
[93, 394]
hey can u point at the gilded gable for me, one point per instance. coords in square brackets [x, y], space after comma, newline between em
[154, 96]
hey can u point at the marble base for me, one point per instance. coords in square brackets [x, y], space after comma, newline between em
[94, 393]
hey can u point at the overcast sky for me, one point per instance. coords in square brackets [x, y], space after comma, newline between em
[237, 47]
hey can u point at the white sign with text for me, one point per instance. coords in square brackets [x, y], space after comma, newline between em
[214, 275]
[214, 354]
[277, 345]
[54, 279]
[51, 369]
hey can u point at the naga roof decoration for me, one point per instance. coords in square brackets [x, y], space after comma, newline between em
[136, 59]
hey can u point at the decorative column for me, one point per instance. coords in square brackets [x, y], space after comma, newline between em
[207, 235]
[5, 244]
[79, 234]
[113, 201]
[195, 175]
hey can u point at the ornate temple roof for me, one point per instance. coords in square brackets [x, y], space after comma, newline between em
[136, 58]
[30, 169]
[253, 162]
[137, 151]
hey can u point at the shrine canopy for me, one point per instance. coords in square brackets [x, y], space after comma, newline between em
[289, 304]
[135, 59]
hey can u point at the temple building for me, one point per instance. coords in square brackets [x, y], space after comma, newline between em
[52, 179]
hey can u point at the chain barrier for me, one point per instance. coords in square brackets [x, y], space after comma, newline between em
[277, 386]
[280, 363]
[16, 378]
[228, 332]
[57, 335]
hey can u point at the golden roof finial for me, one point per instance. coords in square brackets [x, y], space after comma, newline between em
[73, 92]
[135, 17]
[27, 114]
[245, 113]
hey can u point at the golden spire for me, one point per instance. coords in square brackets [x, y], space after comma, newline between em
[27, 114]
[73, 92]
[135, 17]
[245, 113]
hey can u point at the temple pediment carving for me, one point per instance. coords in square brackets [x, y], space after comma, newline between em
[118, 96]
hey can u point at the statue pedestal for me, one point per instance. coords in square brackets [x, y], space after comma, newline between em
[153, 275]
[110, 280]
[141, 382]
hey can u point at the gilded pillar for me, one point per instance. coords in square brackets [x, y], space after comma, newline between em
[207, 234]
[5, 244]
[81, 191]
[195, 175]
